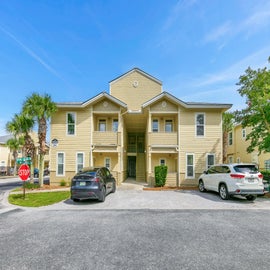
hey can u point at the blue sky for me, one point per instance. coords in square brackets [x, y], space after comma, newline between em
[72, 49]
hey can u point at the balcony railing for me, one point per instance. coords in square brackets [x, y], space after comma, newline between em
[106, 138]
[163, 138]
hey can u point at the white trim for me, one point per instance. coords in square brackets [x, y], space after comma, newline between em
[165, 161]
[193, 165]
[110, 162]
[155, 119]
[64, 158]
[83, 164]
[75, 121]
[204, 124]
[210, 154]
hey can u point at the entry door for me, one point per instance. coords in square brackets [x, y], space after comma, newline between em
[132, 166]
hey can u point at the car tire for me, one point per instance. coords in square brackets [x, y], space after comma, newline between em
[102, 195]
[201, 186]
[114, 188]
[223, 192]
[251, 198]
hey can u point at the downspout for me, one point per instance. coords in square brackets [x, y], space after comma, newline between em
[178, 150]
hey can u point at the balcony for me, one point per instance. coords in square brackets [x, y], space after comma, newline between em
[162, 138]
[106, 138]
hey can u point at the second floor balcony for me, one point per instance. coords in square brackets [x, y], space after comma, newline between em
[106, 138]
[162, 138]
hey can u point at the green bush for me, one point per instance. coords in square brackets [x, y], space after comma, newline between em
[63, 183]
[29, 185]
[266, 175]
[160, 175]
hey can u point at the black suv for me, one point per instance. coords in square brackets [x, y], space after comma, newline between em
[92, 183]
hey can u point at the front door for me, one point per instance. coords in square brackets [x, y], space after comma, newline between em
[132, 166]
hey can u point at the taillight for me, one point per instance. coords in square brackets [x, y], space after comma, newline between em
[237, 175]
[260, 175]
[96, 179]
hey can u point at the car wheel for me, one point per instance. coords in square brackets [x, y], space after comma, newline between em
[251, 198]
[223, 192]
[102, 195]
[201, 186]
[114, 188]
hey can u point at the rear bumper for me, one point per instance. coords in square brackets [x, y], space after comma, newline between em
[84, 195]
[244, 192]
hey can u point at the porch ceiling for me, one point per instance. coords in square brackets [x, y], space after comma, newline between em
[135, 122]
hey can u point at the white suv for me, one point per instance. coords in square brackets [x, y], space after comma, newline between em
[233, 179]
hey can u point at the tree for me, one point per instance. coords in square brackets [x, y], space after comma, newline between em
[15, 144]
[21, 125]
[255, 86]
[227, 125]
[40, 108]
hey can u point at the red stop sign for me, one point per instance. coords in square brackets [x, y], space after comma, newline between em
[24, 172]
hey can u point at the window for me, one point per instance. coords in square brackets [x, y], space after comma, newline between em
[168, 126]
[210, 160]
[238, 160]
[60, 163]
[115, 125]
[80, 161]
[230, 139]
[162, 162]
[200, 124]
[244, 134]
[102, 125]
[230, 159]
[190, 165]
[71, 123]
[267, 164]
[107, 163]
[155, 125]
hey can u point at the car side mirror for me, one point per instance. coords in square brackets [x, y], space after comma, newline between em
[205, 172]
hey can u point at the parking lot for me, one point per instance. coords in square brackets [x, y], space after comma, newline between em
[132, 196]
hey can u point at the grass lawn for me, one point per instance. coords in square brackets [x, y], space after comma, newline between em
[39, 198]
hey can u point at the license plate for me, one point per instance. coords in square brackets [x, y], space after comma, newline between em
[250, 180]
[82, 184]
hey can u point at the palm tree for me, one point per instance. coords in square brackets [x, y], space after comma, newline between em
[15, 144]
[22, 125]
[227, 125]
[40, 108]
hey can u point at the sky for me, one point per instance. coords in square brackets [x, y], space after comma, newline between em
[72, 49]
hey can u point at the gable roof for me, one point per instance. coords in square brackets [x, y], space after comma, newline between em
[188, 105]
[139, 71]
[91, 101]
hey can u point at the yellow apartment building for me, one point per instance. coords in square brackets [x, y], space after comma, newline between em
[237, 149]
[132, 129]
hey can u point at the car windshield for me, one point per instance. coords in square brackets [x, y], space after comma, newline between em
[246, 168]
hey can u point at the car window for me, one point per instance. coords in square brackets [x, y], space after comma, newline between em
[225, 169]
[246, 168]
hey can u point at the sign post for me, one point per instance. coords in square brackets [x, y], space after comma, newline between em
[24, 173]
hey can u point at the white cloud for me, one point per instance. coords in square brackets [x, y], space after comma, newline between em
[218, 32]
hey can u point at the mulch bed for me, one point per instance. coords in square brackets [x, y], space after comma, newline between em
[170, 188]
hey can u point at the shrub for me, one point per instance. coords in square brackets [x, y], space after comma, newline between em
[63, 183]
[160, 175]
[266, 175]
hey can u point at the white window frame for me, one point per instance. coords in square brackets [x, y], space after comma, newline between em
[115, 121]
[196, 125]
[67, 124]
[105, 162]
[230, 138]
[77, 163]
[230, 159]
[156, 121]
[171, 121]
[244, 133]
[103, 121]
[238, 160]
[193, 165]
[57, 164]
[160, 161]
[207, 163]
